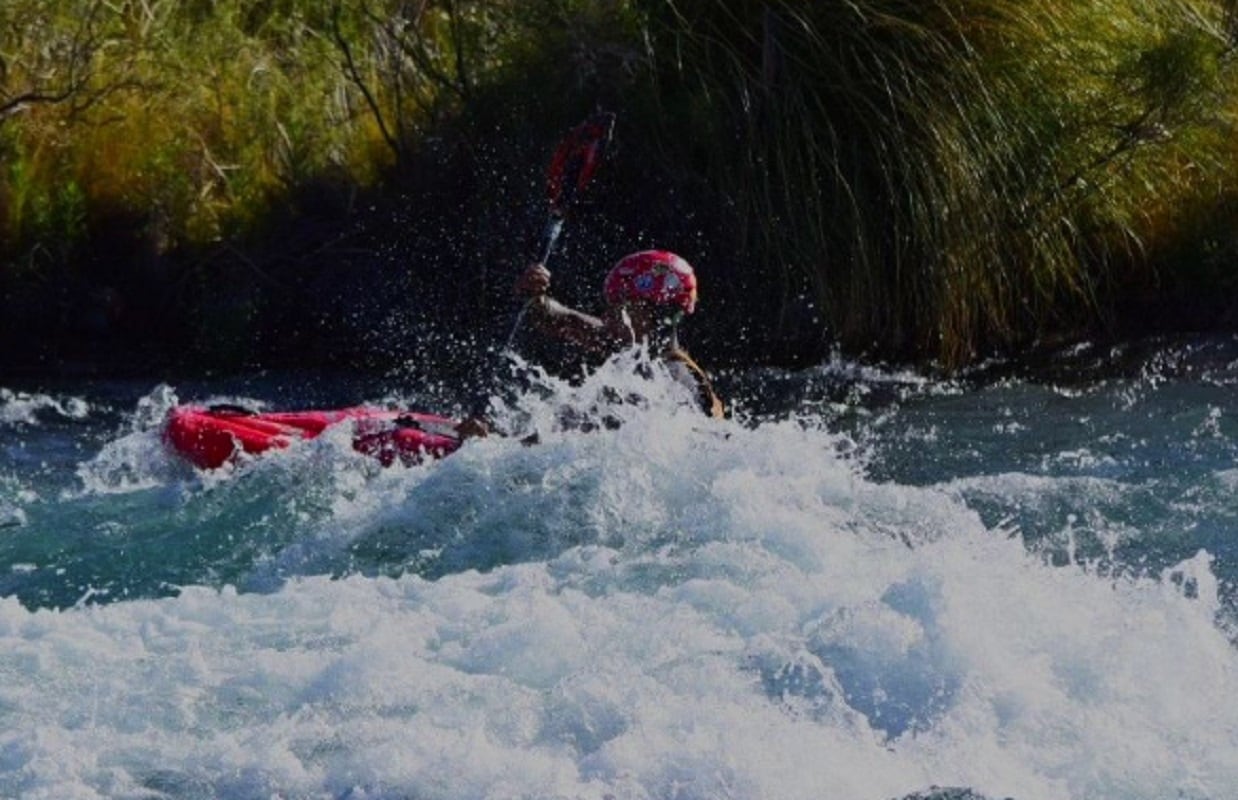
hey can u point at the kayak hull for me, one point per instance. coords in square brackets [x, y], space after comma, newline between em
[211, 436]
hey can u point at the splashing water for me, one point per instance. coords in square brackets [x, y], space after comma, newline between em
[23, 408]
[1015, 587]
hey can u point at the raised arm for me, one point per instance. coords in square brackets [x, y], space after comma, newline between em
[555, 319]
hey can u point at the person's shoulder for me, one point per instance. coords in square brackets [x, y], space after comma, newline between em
[689, 370]
[677, 354]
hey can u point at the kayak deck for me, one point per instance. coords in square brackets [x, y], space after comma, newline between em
[211, 436]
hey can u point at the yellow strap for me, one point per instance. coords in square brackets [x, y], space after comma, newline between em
[711, 404]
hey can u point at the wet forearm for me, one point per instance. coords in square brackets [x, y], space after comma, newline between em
[555, 319]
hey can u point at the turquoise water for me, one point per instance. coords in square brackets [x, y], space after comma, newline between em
[870, 583]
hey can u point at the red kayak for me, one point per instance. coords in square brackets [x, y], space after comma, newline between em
[210, 436]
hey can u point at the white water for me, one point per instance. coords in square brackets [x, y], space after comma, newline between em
[676, 609]
[24, 408]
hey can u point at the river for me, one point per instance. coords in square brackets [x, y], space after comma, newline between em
[868, 584]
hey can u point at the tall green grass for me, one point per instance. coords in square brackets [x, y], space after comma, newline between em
[923, 178]
[198, 117]
[948, 176]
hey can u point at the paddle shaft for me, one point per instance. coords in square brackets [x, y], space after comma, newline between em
[571, 168]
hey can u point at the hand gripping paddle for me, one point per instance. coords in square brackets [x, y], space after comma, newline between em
[571, 168]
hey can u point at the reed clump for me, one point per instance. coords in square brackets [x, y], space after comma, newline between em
[945, 177]
[925, 178]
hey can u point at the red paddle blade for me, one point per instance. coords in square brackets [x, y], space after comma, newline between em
[577, 158]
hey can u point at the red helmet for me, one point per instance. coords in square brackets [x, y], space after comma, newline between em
[654, 276]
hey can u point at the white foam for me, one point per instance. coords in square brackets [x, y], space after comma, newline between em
[734, 672]
[136, 458]
[24, 408]
[677, 608]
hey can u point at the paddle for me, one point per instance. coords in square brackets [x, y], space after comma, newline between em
[571, 168]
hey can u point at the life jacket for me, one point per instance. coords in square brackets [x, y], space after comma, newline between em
[688, 372]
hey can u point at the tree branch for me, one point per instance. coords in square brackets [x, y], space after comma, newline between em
[15, 105]
[354, 74]
[79, 62]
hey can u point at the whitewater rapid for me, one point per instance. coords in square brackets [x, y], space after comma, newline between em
[676, 608]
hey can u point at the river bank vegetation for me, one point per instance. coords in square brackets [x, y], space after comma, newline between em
[935, 180]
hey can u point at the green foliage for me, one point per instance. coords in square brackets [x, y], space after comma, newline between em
[946, 176]
[200, 116]
[937, 177]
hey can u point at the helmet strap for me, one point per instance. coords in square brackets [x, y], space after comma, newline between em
[675, 320]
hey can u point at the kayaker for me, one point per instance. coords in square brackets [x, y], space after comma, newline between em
[647, 295]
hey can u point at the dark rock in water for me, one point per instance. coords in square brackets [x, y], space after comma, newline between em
[954, 793]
